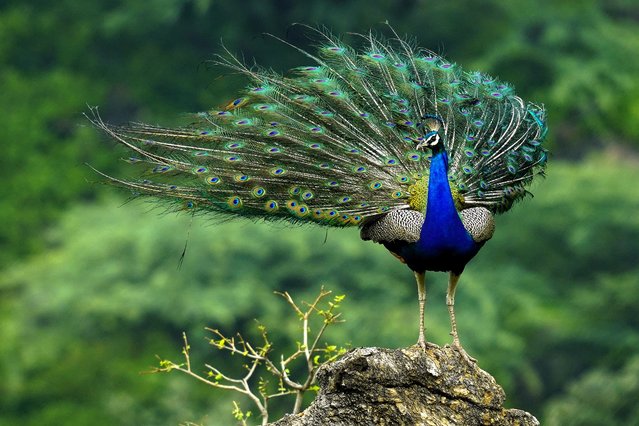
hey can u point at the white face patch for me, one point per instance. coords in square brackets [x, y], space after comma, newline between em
[434, 140]
[430, 141]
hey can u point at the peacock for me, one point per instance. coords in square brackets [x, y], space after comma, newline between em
[388, 137]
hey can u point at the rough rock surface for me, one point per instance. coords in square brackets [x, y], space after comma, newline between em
[436, 387]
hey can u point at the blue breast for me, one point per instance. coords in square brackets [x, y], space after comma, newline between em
[444, 243]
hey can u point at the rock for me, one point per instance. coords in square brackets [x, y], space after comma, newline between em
[435, 387]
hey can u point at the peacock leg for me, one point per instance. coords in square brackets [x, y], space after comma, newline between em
[450, 301]
[421, 292]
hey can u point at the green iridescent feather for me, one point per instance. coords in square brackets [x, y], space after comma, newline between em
[337, 141]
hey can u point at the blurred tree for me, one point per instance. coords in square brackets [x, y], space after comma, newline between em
[99, 294]
[601, 397]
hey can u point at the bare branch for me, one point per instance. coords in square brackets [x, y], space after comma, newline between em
[259, 356]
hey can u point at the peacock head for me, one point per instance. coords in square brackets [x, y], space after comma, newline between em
[432, 139]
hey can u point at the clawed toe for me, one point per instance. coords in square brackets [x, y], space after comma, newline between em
[424, 345]
[463, 353]
[421, 342]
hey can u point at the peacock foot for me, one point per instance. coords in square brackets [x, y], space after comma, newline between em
[423, 344]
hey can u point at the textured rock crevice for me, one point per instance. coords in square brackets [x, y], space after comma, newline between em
[436, 387]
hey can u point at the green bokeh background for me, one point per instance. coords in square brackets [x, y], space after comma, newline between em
[90, 291]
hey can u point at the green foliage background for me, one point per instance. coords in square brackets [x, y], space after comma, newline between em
[90, 290]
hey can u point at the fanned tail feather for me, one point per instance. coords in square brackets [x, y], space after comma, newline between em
[338, 141]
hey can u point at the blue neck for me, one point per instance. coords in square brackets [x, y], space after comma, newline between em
[442, 230]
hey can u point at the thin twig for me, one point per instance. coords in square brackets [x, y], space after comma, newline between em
[259, 355]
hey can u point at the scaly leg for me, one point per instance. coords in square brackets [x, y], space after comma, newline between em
[450, 301]
[421, 292]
